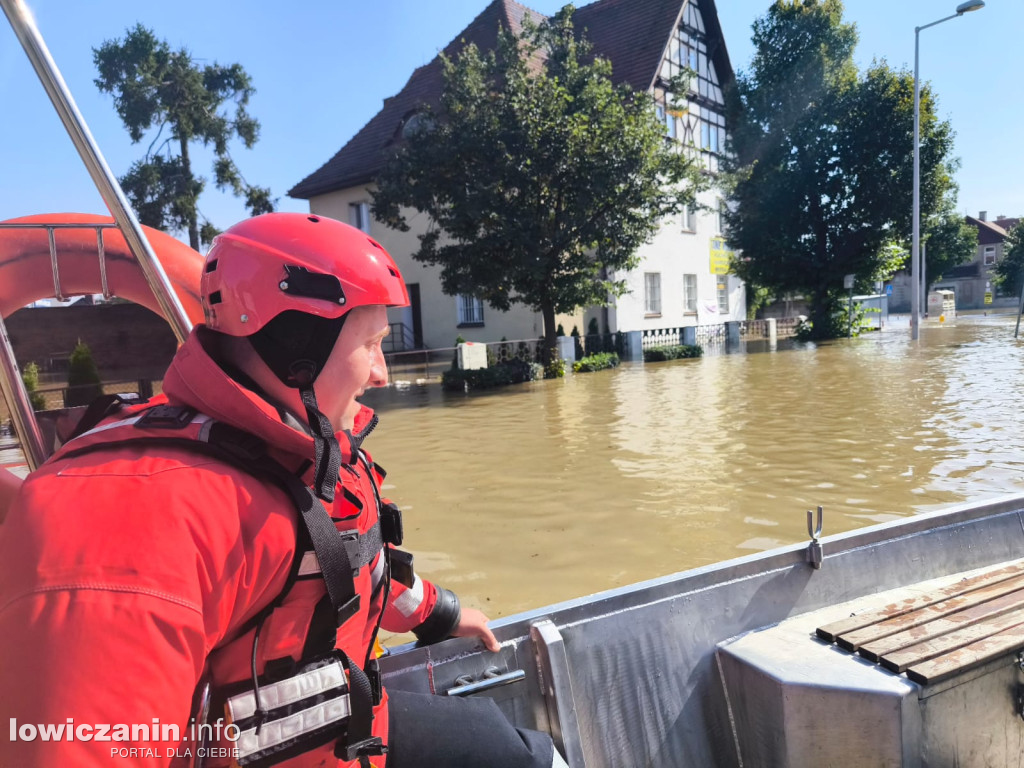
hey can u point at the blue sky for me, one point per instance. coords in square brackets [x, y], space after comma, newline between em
[322, 70]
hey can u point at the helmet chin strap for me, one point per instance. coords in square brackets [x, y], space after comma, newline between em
[328, 452]
[295, 346]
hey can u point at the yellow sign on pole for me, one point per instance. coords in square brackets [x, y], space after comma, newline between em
[720, 256]
[988, 297]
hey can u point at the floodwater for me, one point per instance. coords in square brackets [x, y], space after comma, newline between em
[547, 491]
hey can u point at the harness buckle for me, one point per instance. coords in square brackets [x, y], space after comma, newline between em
[166, 417]
[373, 675]
[353, 546]
[370, 747]
[391, 524]
[349, 609]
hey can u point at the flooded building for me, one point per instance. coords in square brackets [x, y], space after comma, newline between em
[682, 277]
[972, 283]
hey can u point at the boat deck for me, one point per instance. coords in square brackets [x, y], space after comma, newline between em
[942, 631]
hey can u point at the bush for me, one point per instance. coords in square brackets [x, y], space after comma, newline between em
[30, 377]
[660, 354]
[555, 369]
[84, 384]
[596, 362]
[577, 342]
[510, 372]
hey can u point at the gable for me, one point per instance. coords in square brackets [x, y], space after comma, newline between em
[633, 35]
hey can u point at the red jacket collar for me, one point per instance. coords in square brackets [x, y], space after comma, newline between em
[196, 380]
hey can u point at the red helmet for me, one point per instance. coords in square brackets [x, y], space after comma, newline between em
[269, 264]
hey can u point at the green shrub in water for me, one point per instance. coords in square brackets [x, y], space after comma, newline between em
[660, 354]
[597, 362]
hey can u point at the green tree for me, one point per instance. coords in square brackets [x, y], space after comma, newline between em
[821, 167]
[949, 241]
[155, 86]
[84, 384]
[1010, 269]
[30, 377]
[541, 178]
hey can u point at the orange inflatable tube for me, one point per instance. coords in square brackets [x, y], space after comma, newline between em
[26, 275]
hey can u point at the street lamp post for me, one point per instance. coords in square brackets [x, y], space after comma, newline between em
[915, 259]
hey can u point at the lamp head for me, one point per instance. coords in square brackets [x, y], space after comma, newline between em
[970, 5]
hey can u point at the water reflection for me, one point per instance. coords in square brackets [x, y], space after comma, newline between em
[562, 488]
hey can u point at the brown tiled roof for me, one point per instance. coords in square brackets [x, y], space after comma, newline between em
[360, 159]
[632, 34]
[989, 233]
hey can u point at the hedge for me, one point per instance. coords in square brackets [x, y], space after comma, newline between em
[596, 362]
[509, 372]
[659, 354]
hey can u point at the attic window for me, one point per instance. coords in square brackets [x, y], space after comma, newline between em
[414, 122]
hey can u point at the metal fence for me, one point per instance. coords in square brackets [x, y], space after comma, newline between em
[426, 364]
[716, 333]
[57, 397]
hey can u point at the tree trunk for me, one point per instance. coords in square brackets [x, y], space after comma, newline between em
[550, 330]
[821, 315]
[193, 225]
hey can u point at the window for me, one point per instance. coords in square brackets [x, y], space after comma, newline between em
[690, 294]
[990, 255]
[359, 216]
[652, 293]
[470, 310]
[689, 219]
[723, 296]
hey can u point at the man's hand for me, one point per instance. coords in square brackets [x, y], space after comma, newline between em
[474, 624]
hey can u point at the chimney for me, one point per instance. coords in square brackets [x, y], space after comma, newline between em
[983, 216]
[1000, 217]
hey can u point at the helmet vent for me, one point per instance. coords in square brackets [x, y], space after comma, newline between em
[314, 219]
[392, 271]
[214, 298]
[211, 266]
[299, 281]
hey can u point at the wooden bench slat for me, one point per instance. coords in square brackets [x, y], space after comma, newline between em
[832, 630]
[943, 667]
[951, 622]
[852, 641]
[898, 661]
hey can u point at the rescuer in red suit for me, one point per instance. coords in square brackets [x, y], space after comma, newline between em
[179, 563]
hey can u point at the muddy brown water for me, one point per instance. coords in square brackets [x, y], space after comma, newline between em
[557, 489]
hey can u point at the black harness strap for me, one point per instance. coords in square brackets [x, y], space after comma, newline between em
[98, 410]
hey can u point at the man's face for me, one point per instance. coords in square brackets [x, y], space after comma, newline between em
[356, 364]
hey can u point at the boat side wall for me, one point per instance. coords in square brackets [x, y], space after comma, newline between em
[645, 685]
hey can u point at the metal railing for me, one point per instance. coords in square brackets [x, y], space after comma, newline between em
[716, 333]
[399, 340]
[427, 364]
[420, 364]
[65, 397]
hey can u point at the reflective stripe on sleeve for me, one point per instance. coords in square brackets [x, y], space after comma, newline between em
[199, 418]
[289, 690]
[378, 571]
[409, 601]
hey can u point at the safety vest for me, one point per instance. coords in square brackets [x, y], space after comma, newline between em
[324, 696]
